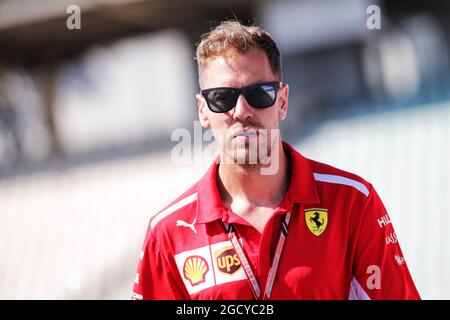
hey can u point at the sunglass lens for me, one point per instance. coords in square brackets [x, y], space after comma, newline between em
[222, 100]
[261, 96]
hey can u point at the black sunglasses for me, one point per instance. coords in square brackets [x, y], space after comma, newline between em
[259, 95]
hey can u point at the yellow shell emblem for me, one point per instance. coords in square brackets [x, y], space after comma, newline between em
[316, 220]
[195, 269]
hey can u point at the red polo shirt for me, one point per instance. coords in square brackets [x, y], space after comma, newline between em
[340, 243]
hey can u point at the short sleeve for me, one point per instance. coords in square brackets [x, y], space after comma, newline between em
[154, 278]
[379, 267]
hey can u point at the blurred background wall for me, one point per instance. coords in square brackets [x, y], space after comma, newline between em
[87, 114]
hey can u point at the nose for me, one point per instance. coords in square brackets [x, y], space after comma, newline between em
[242, 110]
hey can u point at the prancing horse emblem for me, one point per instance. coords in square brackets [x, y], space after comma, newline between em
[316, 220]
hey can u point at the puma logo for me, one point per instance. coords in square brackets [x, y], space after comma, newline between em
[181, 223]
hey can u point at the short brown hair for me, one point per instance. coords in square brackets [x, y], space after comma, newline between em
[232, 36]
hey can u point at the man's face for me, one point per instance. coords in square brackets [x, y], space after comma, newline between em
[240, 128]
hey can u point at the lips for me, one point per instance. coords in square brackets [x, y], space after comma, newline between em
[245, 133]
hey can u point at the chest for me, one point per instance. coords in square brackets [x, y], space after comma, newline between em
[312, 265]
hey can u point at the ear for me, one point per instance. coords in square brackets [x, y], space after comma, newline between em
[202, 111]
[283, 101]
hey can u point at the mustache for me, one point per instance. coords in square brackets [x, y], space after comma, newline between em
[241, 127]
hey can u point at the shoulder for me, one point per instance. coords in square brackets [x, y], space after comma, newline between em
[184, 207]
[327, 176]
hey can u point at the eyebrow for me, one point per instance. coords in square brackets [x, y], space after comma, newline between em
[251, 84]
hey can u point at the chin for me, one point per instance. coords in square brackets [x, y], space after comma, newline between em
[246, 156]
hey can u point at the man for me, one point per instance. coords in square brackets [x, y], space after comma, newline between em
[265, 222]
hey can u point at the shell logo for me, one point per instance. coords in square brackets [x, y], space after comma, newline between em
[195, 269]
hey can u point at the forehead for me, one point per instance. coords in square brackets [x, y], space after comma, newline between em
[237, 70]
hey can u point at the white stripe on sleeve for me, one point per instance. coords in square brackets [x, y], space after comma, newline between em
[331, 178]
[172, 209]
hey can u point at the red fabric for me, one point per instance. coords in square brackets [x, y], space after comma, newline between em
[357, 254]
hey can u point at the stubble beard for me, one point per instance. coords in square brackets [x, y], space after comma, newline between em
[252, 155]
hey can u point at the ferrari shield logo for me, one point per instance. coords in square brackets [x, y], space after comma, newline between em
[316, 220]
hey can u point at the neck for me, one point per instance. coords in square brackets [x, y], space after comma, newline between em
[248, 186]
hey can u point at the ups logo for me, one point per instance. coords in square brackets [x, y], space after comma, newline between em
[227, 260]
